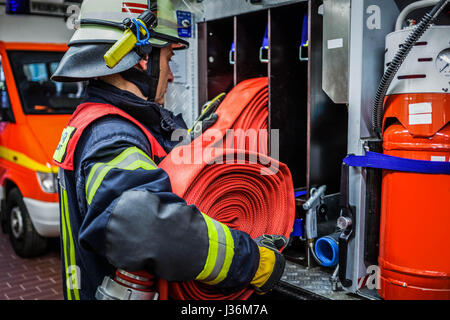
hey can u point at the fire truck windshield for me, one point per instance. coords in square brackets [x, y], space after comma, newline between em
[38, 94]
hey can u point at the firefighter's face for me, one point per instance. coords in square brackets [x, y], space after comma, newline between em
[165, 74]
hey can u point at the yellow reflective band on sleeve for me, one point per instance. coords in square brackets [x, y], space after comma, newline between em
[130, 159]
[60, 151]
[220, 253]
[24, 161]
[212, 249]
[229, 255]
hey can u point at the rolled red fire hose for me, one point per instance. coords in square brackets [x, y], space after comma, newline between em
[243, 189]
[255, 198]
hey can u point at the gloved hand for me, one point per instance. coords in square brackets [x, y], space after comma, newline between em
[271, 262]
[207, 118]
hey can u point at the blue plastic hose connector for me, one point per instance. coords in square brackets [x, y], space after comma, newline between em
[327, 250]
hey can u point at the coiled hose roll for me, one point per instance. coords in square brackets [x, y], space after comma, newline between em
[237, 195]
[394, 66]
[241, 188]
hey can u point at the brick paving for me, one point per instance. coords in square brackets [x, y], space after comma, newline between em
[29, 279]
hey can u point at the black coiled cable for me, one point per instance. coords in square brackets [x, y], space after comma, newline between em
[388, 76]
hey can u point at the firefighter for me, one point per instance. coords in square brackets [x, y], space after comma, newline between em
[117, 206]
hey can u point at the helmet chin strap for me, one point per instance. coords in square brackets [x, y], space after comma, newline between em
[146, 80]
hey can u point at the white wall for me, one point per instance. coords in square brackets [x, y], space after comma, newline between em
[28, 28]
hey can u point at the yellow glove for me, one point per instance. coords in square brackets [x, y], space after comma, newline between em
[271, 262]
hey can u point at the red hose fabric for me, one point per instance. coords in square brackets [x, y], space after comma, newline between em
[244, 109]
[251, 197]
[243, 189]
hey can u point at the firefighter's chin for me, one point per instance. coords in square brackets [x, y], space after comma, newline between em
[160, 100]
[160, 96]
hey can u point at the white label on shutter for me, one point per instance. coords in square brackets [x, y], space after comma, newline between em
[335, 43]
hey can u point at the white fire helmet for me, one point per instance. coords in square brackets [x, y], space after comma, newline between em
[101, 26]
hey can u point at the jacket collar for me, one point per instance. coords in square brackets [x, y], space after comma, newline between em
[159, 121]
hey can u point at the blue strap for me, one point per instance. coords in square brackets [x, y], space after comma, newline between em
[265, 43]
[382, 161]
[300, 193]
[304, 42]
[297, 229]
[141, 42]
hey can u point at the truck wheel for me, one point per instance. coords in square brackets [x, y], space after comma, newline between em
[25, 241]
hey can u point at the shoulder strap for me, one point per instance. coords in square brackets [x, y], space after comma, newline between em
[84, 115]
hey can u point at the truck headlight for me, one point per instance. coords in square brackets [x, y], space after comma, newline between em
[47, 181]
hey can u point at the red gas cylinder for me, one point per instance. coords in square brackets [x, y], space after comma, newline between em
[414, 256]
